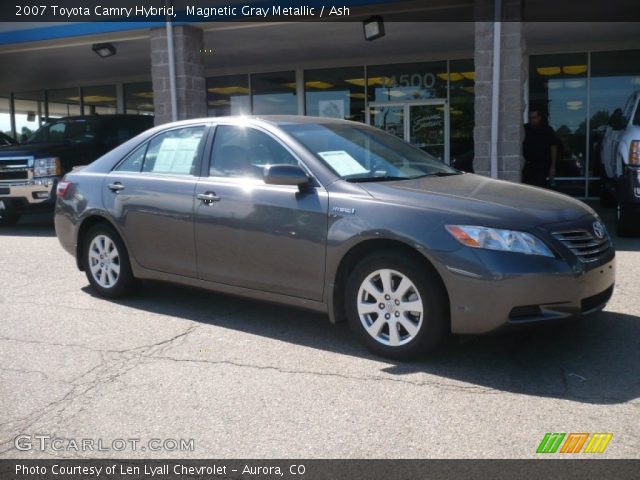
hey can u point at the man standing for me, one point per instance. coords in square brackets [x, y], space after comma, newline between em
[540, 151]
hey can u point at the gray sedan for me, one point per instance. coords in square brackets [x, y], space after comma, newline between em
[337, 217]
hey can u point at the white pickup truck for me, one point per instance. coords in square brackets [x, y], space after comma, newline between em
[621, 161]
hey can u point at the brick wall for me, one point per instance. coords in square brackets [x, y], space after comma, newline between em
[190, 77]
[513, 75]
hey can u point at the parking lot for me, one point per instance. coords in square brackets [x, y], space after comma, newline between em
[248, 379]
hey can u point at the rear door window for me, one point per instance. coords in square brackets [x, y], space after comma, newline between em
[174, 152]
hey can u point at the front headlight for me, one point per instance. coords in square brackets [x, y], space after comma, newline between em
[497, 239]
[47, 167]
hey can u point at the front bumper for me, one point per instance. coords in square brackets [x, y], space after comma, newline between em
[527, 290]
[28, 197]
[630, 186]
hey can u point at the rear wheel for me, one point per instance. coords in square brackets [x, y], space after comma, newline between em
[396, 307]
[8, 219]
[106, 263]
[607, 198]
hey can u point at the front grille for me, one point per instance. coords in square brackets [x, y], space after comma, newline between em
[14, 169]
[596, 300]
[584, 244]
[14, 175]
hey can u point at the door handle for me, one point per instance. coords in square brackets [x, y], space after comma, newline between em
[115, 187]
[208, 197]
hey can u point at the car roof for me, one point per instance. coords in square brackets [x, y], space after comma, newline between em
[277, 120]
[97, 116]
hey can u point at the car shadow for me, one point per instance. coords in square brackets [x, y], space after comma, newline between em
[40, 225]
[592, 360]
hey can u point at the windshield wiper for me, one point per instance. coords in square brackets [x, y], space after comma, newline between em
[439, 174]
[383, 178]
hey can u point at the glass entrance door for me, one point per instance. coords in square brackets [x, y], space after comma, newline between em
[424, 124]
[427, 129]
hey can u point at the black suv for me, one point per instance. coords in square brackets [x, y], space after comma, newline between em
[30, 171]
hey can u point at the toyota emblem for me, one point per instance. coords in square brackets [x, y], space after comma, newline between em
[599, 230]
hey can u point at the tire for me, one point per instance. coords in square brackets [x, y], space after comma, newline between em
[628, 221]
[9, 219]
[108, 273]
[607, 198]
[397, 332]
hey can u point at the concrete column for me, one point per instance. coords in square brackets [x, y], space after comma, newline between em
[190, 79]
[513, 75]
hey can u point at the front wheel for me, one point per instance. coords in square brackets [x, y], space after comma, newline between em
[397, 307]
[106, 263]
[628, 224]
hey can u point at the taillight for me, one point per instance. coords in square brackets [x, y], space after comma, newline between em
[634, 152]
[62, 188]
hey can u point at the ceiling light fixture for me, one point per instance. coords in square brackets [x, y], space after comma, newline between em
[373, 28]
[104, 50]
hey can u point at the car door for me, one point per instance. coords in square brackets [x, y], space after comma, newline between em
[254, 235]
[150, 194]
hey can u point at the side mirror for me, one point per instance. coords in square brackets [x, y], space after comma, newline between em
[285, 175]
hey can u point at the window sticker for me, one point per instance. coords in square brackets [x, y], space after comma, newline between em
[176, 155]
[343, 163]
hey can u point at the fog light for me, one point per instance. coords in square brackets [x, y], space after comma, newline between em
[41, 195]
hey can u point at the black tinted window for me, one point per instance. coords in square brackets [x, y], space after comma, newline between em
[244, 152]
[74, 131]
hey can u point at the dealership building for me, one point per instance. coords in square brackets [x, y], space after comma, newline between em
[458, 89]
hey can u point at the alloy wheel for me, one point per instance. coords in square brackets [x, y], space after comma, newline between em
[104, 261]
[390, 307]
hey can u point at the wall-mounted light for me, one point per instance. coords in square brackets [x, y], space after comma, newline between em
[104, 50]
[373, 28]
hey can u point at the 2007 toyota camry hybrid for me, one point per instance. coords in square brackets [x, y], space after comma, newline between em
[337, 217]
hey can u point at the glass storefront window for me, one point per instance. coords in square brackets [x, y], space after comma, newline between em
[331, 92]
[614, 77]
[63, 102]
[462, 113]
[406, 81]
[558, 88]
[138, 98]
[100, 99]
[228, 95]
[29, 110]
[274, 93]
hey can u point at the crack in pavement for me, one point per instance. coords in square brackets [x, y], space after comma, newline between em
[445, 386]
[112, 366]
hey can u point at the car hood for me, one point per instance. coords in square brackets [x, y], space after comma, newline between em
[34, 149]
[480, 199]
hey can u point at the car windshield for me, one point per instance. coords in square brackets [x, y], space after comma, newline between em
[365, 154]
[74, 131]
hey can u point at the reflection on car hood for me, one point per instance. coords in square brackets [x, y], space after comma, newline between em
[483, 199]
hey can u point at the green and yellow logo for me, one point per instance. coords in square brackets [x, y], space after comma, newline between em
[573, 442]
